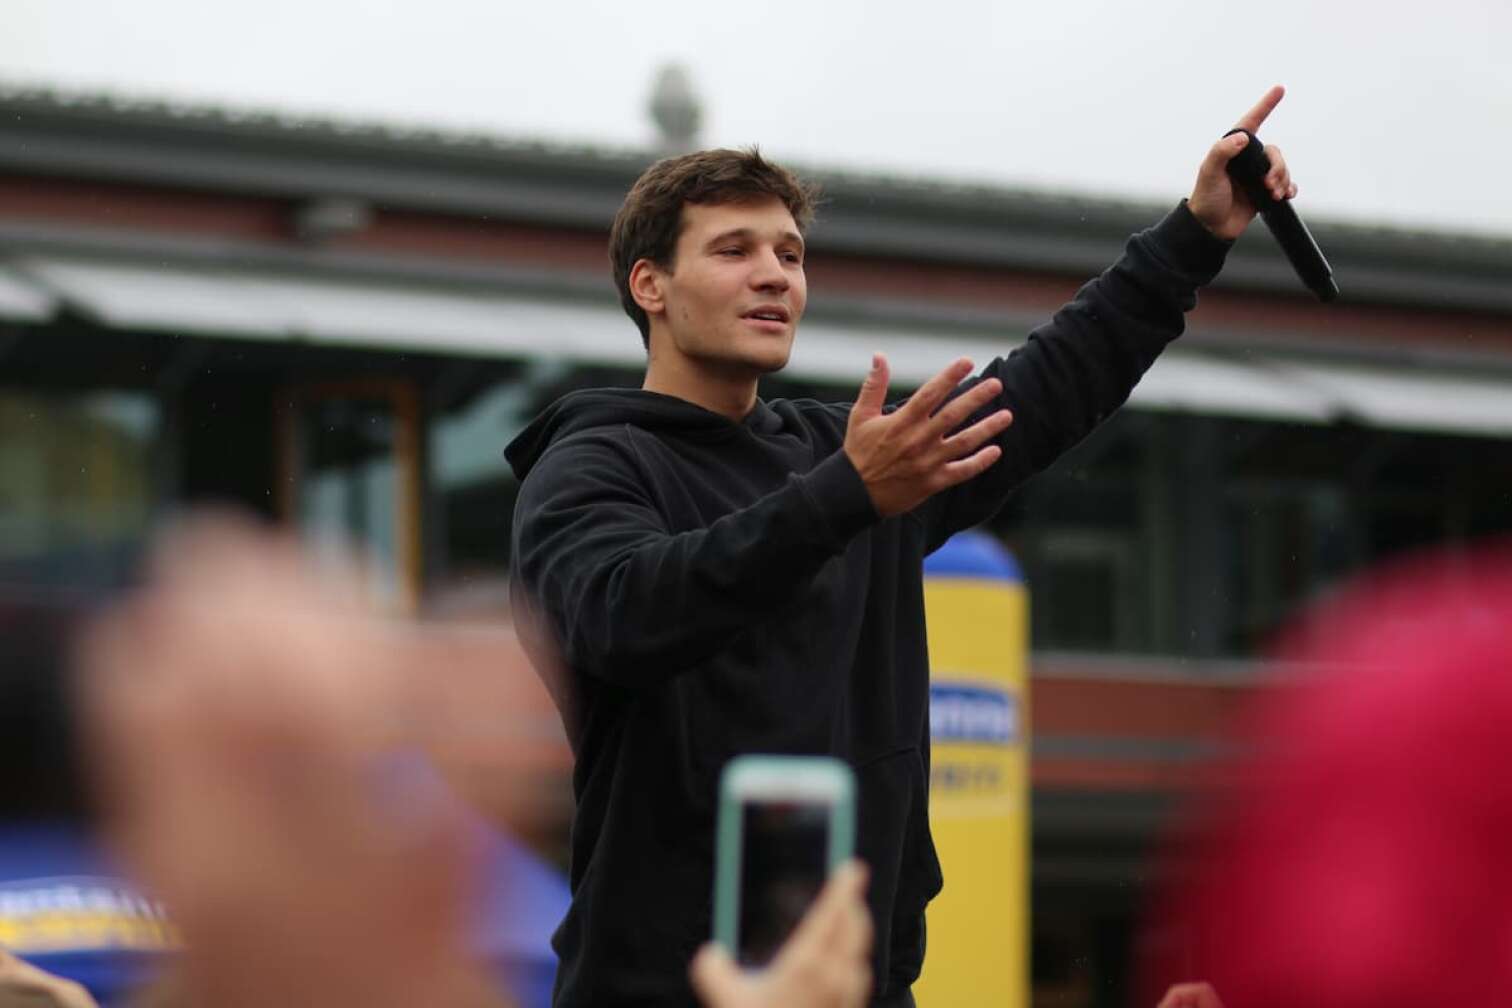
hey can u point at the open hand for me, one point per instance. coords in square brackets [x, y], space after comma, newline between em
[245, 711]
[1216, 200]
[907, 456]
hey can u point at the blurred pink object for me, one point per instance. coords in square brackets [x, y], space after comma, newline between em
[1362, 856]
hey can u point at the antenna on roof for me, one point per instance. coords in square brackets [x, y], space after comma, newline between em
[675, 109]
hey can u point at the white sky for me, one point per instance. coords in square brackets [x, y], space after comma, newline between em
[1397, 113]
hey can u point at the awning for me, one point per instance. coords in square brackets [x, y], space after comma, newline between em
[1417, 399]
[267, 306]
[262, 305]
[21, 301]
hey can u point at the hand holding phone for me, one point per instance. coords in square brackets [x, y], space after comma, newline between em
[825, 964]
[785, 823]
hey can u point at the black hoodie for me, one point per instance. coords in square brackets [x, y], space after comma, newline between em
[717, 588]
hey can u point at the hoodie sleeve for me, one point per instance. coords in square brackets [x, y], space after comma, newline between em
[633, 603]
[1079, 367]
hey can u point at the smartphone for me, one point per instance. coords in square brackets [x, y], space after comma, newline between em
[785, 823]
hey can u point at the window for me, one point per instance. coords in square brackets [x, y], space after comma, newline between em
[76, 470]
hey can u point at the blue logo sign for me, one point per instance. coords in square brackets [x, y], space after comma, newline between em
[960, 713]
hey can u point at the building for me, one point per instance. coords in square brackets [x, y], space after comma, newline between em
[340, 325]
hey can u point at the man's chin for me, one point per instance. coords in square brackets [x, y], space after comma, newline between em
[774, 364]
[753, 365]
[769, 360]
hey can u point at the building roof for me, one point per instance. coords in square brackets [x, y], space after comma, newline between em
[109, 137]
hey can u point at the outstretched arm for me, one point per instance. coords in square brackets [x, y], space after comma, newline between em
[1075, 370]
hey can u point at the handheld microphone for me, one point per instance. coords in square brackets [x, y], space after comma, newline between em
[1248, 169]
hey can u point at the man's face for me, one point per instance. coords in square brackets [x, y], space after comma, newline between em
[736, 290]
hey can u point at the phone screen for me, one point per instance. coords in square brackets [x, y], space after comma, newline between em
[784, 862]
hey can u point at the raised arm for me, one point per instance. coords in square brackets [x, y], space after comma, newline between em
[1079, 367]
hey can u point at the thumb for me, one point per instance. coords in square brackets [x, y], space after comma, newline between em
[873, 390]
[1225, 150]
[714, 975]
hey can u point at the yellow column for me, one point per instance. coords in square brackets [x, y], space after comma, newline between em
[977, 608]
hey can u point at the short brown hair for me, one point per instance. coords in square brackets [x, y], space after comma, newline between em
[650, 220]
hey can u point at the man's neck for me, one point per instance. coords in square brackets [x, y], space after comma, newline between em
[728, 395]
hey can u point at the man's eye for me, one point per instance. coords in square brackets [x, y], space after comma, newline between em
[731, 252]
[792, 257]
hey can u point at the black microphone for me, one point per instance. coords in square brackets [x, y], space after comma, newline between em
[1248, 169]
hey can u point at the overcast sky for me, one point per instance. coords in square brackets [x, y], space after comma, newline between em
[1395, 114]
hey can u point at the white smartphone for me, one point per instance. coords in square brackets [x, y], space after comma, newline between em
[785, 823]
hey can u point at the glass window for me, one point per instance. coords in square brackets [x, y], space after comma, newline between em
[471, 488]
[76, 470]
[352, 452]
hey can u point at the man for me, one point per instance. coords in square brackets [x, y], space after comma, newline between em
[726, 575]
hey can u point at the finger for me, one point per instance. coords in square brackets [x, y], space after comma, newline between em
[1252, 119]
[853, 940]
[856, 936]
[1278, 179]
[964, 469]
[977, 434]
[1222, 152]
[73, 995]
[924, 402]
[958, 410]
[1191, 995]
[713, 974]
[817, 929]
[873, 394]
[860, 986]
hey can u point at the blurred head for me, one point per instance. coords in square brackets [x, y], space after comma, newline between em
[1361, 859]
[703, 243]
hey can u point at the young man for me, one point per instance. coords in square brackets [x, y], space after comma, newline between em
[725, 575]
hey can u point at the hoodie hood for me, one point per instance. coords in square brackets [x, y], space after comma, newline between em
[589, 408]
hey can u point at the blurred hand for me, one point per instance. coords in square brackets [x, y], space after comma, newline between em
[1191, 995]
[1221, 206]
[825, 964]
[23, 983]
[909, 455]
[239, 708]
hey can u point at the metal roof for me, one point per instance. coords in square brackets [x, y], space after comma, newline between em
[113, 138]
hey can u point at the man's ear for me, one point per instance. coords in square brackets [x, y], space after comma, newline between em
[646, 286]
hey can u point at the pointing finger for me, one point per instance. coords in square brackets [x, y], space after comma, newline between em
[1252, 119]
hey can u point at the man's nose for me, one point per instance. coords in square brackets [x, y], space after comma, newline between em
[768, 274]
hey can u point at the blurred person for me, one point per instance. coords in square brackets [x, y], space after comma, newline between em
[71, 924]
[1358, 856]
[253, 729]
[726, 575]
